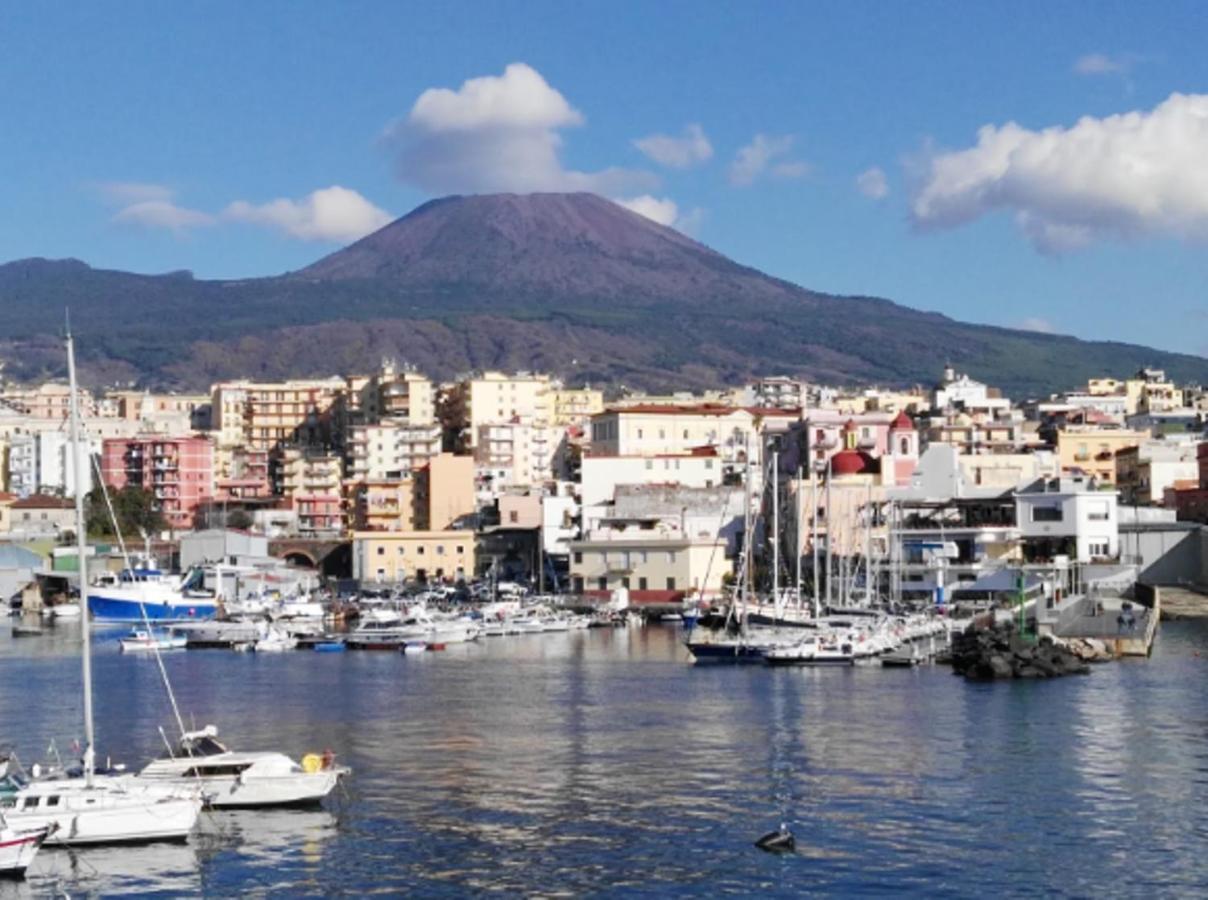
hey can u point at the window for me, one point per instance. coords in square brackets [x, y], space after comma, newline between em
[381, 551]
[578, 556]
[1097, 511]
[1046, 514]
[440, 549]
[685, 434]
[670, 556]
[513, 516]
[419, 551]
[460, 549]
[662, 434]
[641, 584]
[625, 583]
[639, 434]
[904, 446]
[649, 466]
[602, 583]
[671, 584]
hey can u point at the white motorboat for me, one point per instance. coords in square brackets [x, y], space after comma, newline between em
[230, 778]
[140, 640]
[18, 847]
[275, 641]
[62, 611]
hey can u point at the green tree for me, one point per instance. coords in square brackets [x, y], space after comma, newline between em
[134, 508]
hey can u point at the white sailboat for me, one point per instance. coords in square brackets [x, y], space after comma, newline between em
[94, 808]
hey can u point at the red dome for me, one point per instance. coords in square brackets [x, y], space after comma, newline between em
[851, 462]
[901, 423]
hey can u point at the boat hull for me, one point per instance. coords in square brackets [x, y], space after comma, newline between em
[109, 608]
[18, 849]
[130, 820]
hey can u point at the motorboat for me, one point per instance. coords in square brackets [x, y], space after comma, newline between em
[141, 640]
[61, 611]
[232, 778]
[275, 641]
[18, 847]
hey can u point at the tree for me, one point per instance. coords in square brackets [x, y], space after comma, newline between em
[239, 519]
[134, 507]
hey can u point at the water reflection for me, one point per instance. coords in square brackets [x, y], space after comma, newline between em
[604, 761]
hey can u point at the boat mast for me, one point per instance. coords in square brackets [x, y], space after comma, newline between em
[82, 558]
[830, 534]
[868, 547]
[798, 531]
[775, 527]
[814, 534]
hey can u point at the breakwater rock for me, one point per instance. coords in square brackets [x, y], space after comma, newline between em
[987, 653]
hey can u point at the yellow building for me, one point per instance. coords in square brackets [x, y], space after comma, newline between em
[264, 416]
[432, 497]
[386, 505]
[1093, 451]
[575, 406]
[652, 569]
[397, 556]
[495, 397]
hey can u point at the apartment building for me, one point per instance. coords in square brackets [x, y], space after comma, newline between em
[1069, 516]
[575, 406]
[393, 557]
[1092, 451]
[516, 454]
[265, 416]
[494, 397]
[47, 401]
[389, 449]
[434, 496]
[1144, 472]
[179, 471]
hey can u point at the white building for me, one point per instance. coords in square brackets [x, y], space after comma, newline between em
[516, 454]
[1068, 516]
[389, 450]
[41, 463]
[962, 392]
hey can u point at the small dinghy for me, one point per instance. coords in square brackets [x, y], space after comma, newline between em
[328, 647]
[142, 641]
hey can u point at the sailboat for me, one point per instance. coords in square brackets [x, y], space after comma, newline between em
[96, 808]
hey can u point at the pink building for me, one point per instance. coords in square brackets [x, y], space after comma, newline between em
[179, 471]
[319, 513]
[857, 444]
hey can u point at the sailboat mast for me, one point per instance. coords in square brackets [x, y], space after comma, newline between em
[775, 529]
[799, 532]
[82, 558]
[814, 536]
[830, 533]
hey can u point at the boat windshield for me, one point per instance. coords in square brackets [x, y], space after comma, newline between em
[201, 746]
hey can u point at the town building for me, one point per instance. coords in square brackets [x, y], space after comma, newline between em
[517, 454]
[395, 557]
[492, 398]
[575, 406]
[41, 516]
[1146, 471]
[389, 449]
[178, 471]
[1085, 450]
[51, 400]
[1068, 516]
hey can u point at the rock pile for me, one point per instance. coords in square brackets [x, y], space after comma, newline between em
[988, 653]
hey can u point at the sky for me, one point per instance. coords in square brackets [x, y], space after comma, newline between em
[1030, 165]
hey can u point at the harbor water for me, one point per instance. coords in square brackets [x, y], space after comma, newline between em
[604, 762]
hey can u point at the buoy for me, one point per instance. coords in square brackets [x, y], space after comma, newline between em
[779, 841]
[312, 763]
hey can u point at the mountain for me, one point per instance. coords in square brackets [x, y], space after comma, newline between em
[567, 283]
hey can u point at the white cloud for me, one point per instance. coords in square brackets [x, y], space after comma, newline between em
[497, 133]
[1102, 64]
[1129, 175]
[677, 152]
[162, 214]
[330, 214]
[873, 183]
[1043, 326]
[665, 211]
[763, 155]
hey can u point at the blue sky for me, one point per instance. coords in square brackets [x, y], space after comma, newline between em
[155, 137]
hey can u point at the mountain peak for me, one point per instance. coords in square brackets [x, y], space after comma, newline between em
[493, 232]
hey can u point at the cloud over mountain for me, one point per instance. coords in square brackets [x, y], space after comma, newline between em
[497, 133]
[1123, 176]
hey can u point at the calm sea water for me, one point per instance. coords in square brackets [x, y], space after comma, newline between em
[604, 762]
